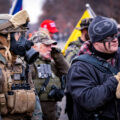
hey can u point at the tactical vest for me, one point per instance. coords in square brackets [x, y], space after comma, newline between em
[45, 73]
[16, 96]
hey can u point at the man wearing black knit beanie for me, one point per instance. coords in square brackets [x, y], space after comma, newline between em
[93, 79]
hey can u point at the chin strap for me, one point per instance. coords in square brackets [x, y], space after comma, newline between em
[8, 55]
[5, 50]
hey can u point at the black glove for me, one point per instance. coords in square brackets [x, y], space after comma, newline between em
[59, 94]
[55, 51]
[56, 93]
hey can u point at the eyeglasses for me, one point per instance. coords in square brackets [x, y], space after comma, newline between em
[110, 38]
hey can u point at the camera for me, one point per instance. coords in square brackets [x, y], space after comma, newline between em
[56, 93]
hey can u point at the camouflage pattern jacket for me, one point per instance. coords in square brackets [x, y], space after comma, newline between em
[73, 50]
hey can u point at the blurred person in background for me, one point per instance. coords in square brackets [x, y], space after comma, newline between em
[74, 46]
[51, 27]
[49, 72]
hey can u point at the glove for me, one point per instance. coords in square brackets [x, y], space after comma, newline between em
[59, 94]
[55, 52]
[117, 76]
[56, 93]
[118, 86]
[118, 91]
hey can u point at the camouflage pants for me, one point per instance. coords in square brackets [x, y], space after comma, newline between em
[49, 110]
[37, 114]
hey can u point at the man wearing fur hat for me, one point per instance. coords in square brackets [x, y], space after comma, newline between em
[49, 71]
[17, 94]
[93, 81]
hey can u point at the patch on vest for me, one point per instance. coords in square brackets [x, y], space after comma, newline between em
[44, 70]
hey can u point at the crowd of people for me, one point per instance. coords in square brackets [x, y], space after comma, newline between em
[35, 75]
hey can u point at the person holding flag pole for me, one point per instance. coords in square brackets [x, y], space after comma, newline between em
[89, 13]
[74, 46]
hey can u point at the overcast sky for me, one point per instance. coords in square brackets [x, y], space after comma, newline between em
[34, 9]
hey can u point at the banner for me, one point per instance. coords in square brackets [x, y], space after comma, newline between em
[77, 33]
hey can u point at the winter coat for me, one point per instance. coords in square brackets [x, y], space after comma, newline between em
[92, 92]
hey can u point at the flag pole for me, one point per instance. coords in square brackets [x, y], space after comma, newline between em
[90, 9]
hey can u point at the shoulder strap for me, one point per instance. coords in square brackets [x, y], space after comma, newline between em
[44, 85]
[99, 64]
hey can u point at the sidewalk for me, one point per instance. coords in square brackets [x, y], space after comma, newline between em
[62, 104]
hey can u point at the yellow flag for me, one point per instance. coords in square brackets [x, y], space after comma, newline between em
[77, 33]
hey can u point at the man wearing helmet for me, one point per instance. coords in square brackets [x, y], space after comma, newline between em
[74, 46]
[17, 93]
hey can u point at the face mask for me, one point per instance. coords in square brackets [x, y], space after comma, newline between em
[23, 48]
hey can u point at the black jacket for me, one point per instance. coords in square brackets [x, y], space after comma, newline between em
[92, 91]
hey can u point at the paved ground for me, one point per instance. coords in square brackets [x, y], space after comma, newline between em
[62, 104]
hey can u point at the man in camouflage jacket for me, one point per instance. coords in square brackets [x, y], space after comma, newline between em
[49, 72]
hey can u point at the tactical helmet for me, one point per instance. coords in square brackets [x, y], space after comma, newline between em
[85, 23]
[15, 23]
[50, 25]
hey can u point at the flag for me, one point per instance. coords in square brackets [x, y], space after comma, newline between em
[77, 33]
[16, 6]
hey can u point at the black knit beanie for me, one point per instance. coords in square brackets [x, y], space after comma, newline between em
[101, 27]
